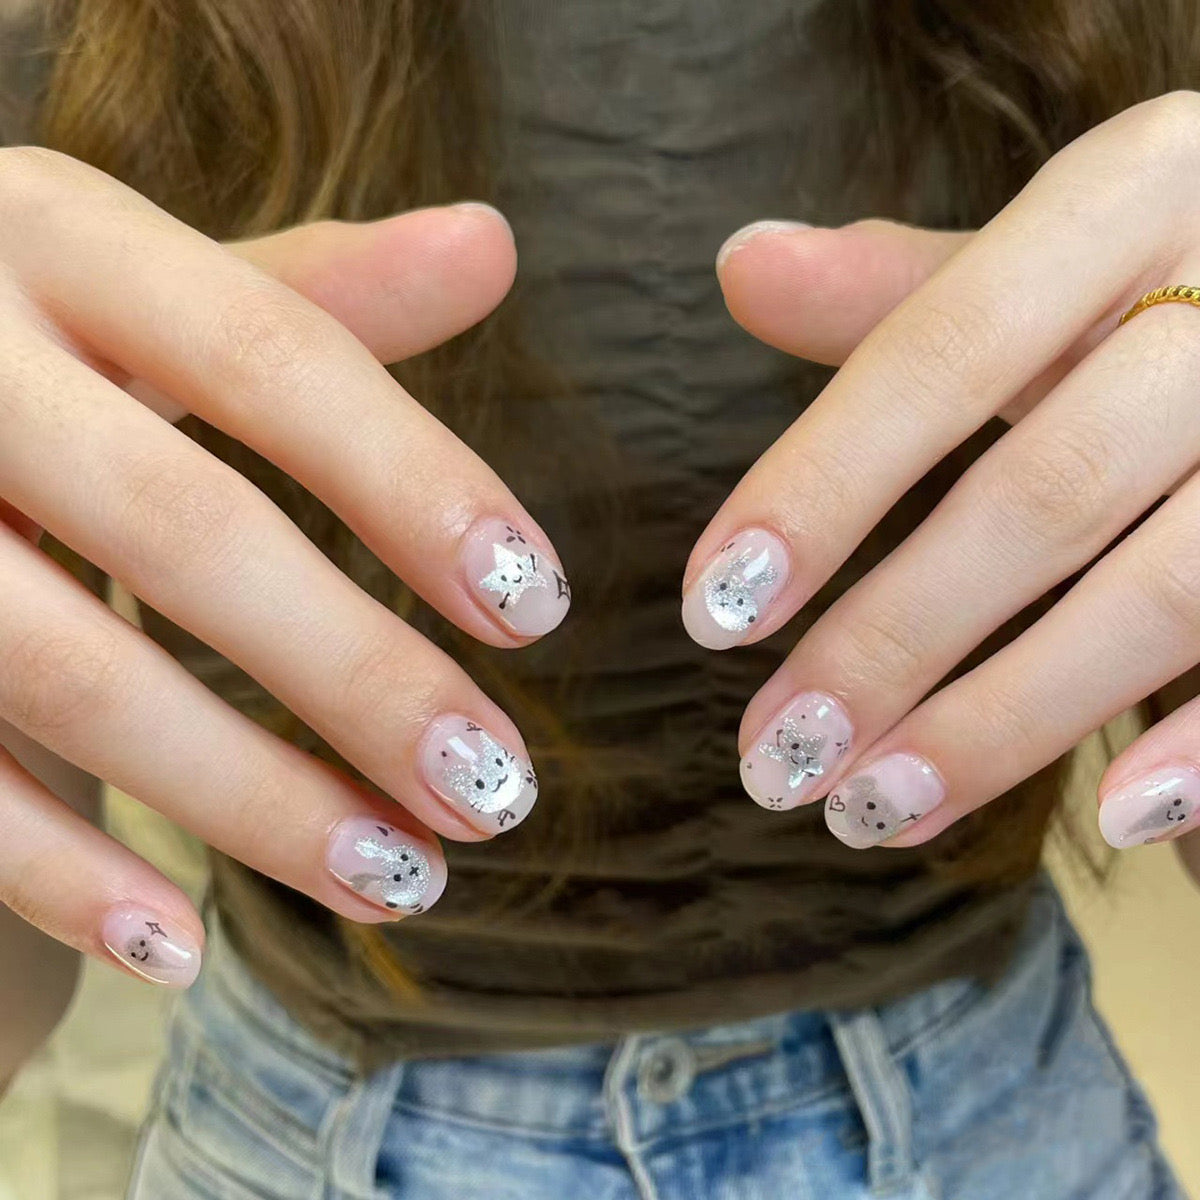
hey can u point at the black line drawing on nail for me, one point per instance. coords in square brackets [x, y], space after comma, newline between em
[156, 930]
[799, 751]
[403, 874]
[514, 535]
[730, 594]
[864, 804]
[564, 588]
[512, 576]
[1172, 809]
[504, 816]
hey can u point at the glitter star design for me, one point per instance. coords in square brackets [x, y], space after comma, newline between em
[798, 750]
[489, 779]
[513, 575]
[403, 873]
[729, 594]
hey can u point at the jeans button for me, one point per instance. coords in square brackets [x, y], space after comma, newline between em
[666, 1071]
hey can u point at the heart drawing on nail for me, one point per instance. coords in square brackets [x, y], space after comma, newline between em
[837, 803]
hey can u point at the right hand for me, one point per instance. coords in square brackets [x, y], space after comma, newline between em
[115, 320]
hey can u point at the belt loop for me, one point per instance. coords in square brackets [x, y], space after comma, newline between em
[883, 1095]
[356, 1130]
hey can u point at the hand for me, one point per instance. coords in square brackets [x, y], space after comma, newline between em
[99, 288]
[940, 332]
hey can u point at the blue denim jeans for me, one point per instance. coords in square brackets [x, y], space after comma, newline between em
[959, 1092]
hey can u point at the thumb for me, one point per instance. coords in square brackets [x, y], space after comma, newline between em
[817, 292]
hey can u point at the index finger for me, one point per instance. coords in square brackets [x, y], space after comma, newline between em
[276, 372]
[946, 359]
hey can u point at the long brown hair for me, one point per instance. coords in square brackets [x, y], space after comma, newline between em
[242, 116]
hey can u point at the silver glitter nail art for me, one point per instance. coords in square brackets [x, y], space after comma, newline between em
[730, 593]
[513, 574]
[799, 751]
[488, 779]
[403, 874]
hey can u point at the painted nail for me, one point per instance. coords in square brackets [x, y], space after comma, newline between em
[792, 753]
[385, 865]
[475, 773]
[734, 591]
[521, 584]
[156, 949]
[1158, 807]
[875, 804]
[747, 234]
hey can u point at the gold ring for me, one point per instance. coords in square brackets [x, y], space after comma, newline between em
[1180, 292]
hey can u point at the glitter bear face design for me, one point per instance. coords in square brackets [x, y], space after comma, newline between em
[798, 750]
[1160, 821]
[489, 778]
[730, 594]
[402, 877]
[866, 811]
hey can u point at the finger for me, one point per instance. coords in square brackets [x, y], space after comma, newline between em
[88, 686]
[1130, 625]
[1151, 791]
[1040, 504]
[194, 540]
[271, 369]
[85, 889]
[1000, 311]
[817, 292]
[402, 285]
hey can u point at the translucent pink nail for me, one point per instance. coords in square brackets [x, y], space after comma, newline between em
[793, 753]
[878, 802]
[385, 865]
[151, 946]
[517, 580]
[1155, 808]
[476, 774]
[734, 592]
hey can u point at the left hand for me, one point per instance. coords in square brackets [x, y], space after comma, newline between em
[1018, 319]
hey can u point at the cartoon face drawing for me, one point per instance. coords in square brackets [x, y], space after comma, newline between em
[513, 574]
[402, 877]
[729, 594]
[489, 778]
[139, 950]
[1171, 810]
[798, 749]
[865, 813]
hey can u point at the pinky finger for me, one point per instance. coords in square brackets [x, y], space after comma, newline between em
[1151, 792]
[83, 888]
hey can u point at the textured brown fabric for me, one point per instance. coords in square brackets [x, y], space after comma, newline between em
[637, 135]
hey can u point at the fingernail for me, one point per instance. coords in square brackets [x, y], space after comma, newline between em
[518, 582]
[385, 865]
[481, 207]
[748, 233]
[477, 775]
[1158, 807]
[734, 591]
[151, 946]
[875, 804]
[792, 753]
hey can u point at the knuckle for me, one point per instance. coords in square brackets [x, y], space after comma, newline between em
[885, 648]
[52, 678]
[1170, 575]
[262, 332]
[184, 519]
[375, 685]
[942, 346]
[1057, 489]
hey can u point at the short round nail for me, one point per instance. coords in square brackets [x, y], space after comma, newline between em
[733, 594]
[385, 865]
[747, 234]
[518, 581]
[490, 785]
[876, 803]
[151, 946]
[793, 754]
[1155, 808]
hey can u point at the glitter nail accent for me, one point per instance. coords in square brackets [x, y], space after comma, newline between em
[386, 866]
